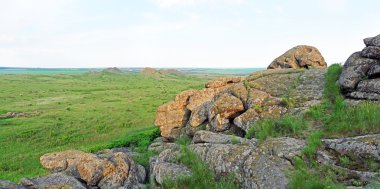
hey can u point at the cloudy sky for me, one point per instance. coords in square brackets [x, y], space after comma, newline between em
[178, 33]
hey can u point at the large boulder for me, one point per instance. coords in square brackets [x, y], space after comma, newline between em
[106, 169]
[361, 72]
[172, 116]
[301, 56]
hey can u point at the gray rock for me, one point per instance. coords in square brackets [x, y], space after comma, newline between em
[369, 86]
[354, 70]
[56, 180]
[217, 138]
[4, 184]
[361, 147]
[372, 41]
[263, 166]
[161, 146]
[371, 52]
[165, 166]
[363, 95]
[374, 71]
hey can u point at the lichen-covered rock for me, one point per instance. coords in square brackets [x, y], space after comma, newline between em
[53, 181]
[301, 56]
[371, 52]
[225, 107]
[372, 41]
[361, 72]
[217, 138]
[221, 82]
[361, 147]
[232, 108]
[374, 71]
[261, 166]
[172, 116]
[163, 167]
[105, 169]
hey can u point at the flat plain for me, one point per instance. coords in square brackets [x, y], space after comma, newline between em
[82, 111]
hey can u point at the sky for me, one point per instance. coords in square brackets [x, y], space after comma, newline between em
[179, 33]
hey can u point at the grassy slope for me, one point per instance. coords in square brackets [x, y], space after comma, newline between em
[85, 112]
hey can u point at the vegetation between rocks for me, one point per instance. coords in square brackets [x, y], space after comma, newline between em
[201, 175]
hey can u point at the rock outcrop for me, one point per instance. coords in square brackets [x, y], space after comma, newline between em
[73, 169]
[254, 165]
[360, 78]
[301, 56]
[230, 105]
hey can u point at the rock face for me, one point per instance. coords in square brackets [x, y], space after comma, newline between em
[254, 166]
[301, 56]
[360, 78]
[231, 105]
[106, 169]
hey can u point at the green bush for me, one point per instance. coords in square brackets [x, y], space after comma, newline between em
[270, 127]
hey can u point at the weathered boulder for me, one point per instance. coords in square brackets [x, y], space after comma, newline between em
[372, 41]
[361, 147]
[301, 56]
[371, 52]
[360, 73]
[53, 181]
[374, 71]
[225, 107]
[163, 167]
[105, 169]
[172, 116]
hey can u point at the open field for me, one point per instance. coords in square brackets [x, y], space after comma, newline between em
[83, 111]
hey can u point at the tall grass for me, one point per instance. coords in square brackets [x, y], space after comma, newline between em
[285, 126]
[337, 117]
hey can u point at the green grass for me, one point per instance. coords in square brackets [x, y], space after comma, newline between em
[284, 126]
[202, 176]
[338, 119]
[303, 177]
[313, 143]
[88, 112]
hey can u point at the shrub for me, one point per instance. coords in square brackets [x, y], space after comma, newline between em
[285, 126]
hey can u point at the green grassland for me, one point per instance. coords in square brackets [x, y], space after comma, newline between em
[86, 111]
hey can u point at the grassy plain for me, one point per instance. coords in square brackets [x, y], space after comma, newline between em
[86, 111]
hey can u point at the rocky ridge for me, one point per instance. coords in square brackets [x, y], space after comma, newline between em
[232, 104]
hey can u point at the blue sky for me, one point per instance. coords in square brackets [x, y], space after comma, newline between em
[178, 33]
